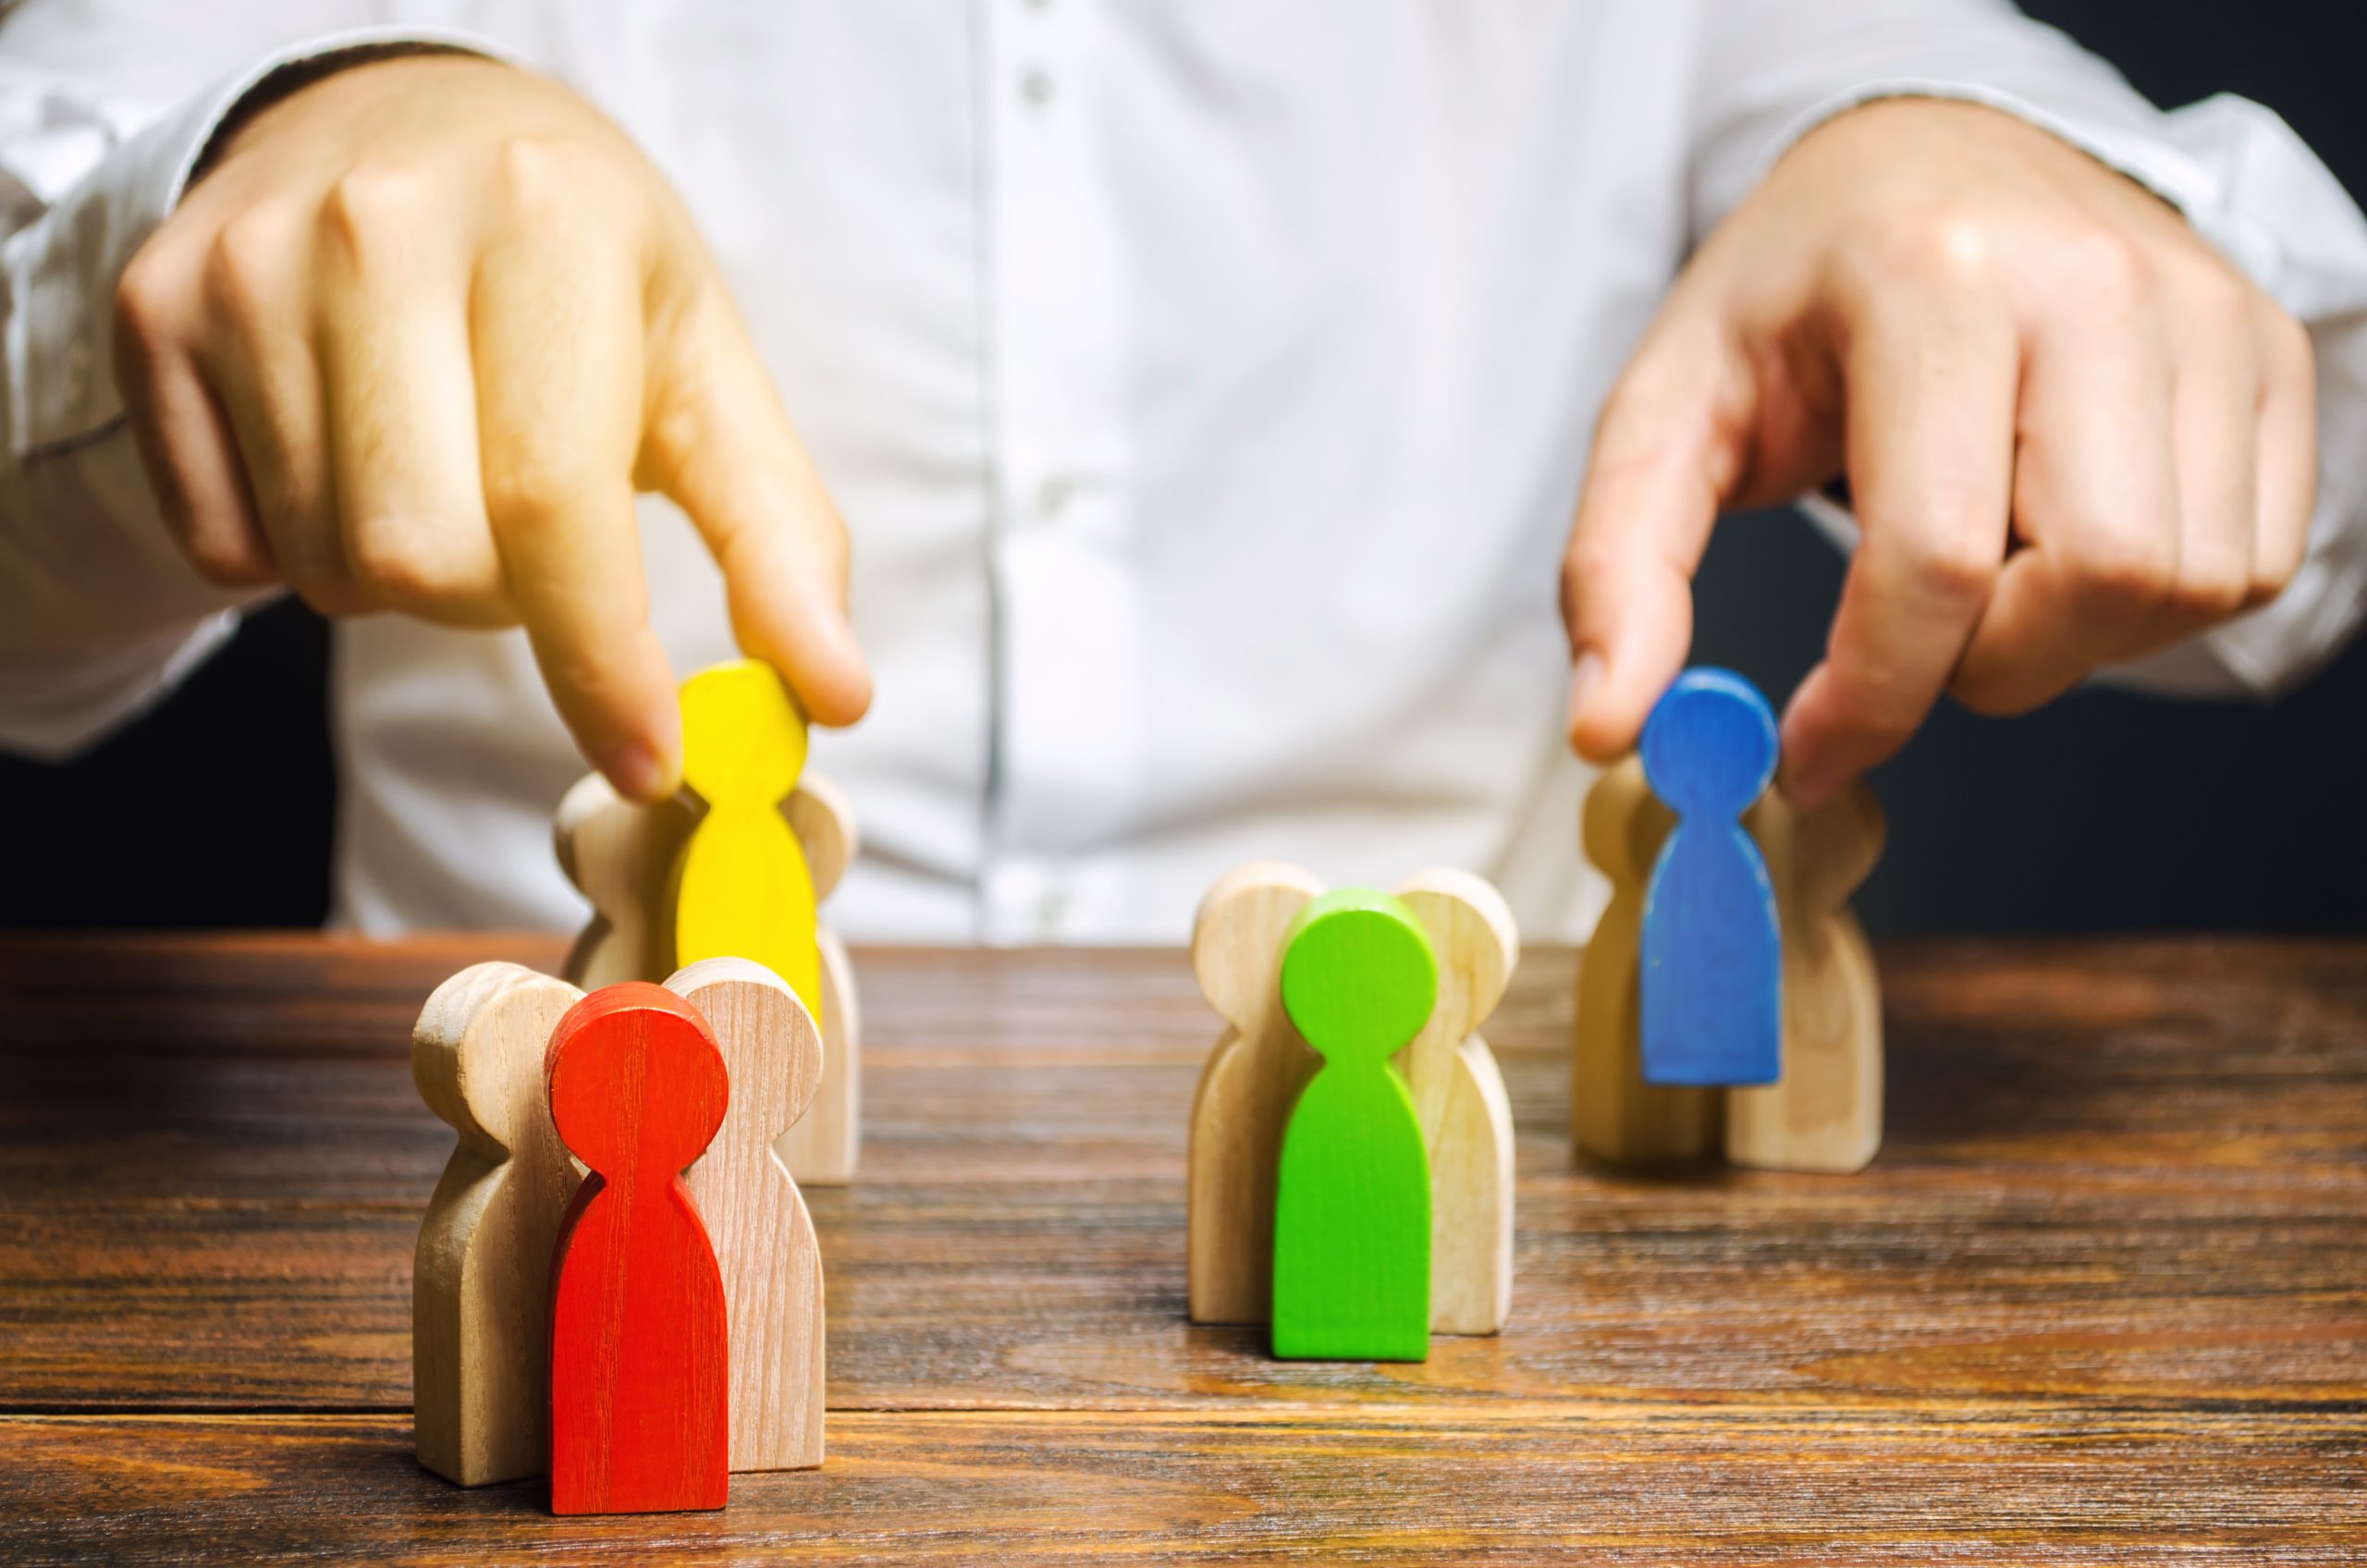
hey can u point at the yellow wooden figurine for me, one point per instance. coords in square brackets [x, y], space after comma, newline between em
[742, 889]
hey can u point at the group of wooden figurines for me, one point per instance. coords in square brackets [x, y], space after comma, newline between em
[1351, 1180]
[617, 1281]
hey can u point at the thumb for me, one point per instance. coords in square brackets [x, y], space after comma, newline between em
[721, 445]
[1664, 460]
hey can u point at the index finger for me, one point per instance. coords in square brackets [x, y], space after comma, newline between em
[558, 333]
[1659, 470]
[1930, 388]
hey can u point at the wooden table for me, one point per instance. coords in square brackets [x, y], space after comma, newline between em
[2103, 1297]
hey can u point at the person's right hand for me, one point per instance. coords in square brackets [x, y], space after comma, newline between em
[413, 342]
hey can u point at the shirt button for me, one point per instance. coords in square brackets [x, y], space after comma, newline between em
[1035, 85]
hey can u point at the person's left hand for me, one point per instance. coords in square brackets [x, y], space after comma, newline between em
[2073, 432]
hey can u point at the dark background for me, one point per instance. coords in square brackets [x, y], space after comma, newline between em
[2106, 811]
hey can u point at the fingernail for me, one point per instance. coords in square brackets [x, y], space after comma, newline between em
[1585, 675]
[638, 772]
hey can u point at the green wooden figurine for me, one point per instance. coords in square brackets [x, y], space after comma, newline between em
[1352, 1213]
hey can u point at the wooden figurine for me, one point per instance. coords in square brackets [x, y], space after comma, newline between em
[1246, 1091]
[1260, 1064]
[762, 1235]
[820, 1147]
[1825, 1113]
[622, 857]
[640, 1360]
[1711, 969]
[1352, 1211]
[481, 1278]
[1615, 1116]
[1459, 1096]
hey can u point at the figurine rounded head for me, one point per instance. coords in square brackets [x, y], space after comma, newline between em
[637, 1080]
[1710, 744]
[742, 733]
[1359, 976]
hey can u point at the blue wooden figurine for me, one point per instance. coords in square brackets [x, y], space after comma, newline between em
[1711, 969]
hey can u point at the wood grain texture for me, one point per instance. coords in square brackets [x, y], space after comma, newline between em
[1615, 1116]
[763, 1238]
[2104, 1298]
[1244, 1096]
[1953, 1481]
[1458, 1093]
[621, 856]
[1352, 1190]
[639, 1361]
[481, 1304]
[1825, 1113]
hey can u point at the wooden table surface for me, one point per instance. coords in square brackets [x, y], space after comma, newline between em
[2102, 1298]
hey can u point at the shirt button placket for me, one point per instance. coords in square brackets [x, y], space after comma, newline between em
[1069, 666]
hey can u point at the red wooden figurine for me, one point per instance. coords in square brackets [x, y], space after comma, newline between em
[639, 1363]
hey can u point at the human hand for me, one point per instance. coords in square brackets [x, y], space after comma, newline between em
[2073, 432]
[413, 342]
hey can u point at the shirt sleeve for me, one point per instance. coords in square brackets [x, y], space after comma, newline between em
[99, 613]
[1769, 73]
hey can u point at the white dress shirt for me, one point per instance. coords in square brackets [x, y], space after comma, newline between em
[1208, 386]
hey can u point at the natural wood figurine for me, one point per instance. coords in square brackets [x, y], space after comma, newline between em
[1252, 1079]
[640, 1357]
[1260, 1064]
[1352, 1203]
[1615, 1116]
[1459, 1095]
[622, 857]
[1826, 1112]
[762, 1235]
[481, 1278]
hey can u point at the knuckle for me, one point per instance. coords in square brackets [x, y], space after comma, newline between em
[543, 180]
[1957, 564]
[227, 556]
[371, 212]
[148, 298]
[2212, 592]
[533, 489]
[2109, 265]
[2271, 577]
[2291, 355]
[1993, 696]
[2216, 296]
[326, 588]
[1588, 565]
[391, 563]
[1952, 247]
[249, 263]
[2122, 568]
